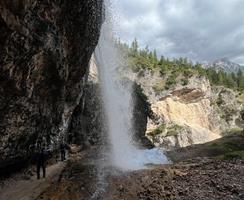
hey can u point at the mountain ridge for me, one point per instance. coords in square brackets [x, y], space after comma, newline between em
[225, 65]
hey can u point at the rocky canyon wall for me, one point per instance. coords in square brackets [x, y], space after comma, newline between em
[45, 48]
[189, 114]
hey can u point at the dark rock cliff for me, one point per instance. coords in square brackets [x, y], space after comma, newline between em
[86, 127]
[142, 111]
[45, 47]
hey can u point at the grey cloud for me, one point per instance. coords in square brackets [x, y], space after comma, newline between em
[202, 30]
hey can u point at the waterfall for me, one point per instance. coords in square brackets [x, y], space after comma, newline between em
[118, 104]
[117, 101]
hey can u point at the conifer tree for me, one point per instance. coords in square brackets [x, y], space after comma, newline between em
[239, 78]
[155, 57]
[134, 47]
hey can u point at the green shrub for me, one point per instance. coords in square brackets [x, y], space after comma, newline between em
[171, 133]
[187, 73]
[158, 130]
[135, 68]
[158, 87]
[163, 70]
[219, 101]
[171, 80]
[173, 130]
[185, 81]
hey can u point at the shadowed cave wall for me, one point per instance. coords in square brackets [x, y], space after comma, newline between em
[45, 48]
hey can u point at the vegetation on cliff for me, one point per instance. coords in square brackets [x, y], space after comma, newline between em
[182, 94]
[177, 69]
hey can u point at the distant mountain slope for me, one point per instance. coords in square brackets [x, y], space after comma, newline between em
[225, 65]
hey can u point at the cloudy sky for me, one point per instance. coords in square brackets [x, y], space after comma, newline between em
[203, 30]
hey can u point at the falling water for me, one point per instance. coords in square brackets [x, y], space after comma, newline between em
[118, 104]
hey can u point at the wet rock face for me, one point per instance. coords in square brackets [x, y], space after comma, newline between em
[141, 112]
[86, 126]
[45, 47]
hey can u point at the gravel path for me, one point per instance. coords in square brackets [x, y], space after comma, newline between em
[30, 189]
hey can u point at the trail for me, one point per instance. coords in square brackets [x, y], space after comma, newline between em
[189, 180]
[32, 188]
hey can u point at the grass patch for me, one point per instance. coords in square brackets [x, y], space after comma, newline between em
[170, 131]
[231, 155]
[158, 130]
[234, 131]
[228, 147]
[159, 87]
[223, 146]
[174, 130]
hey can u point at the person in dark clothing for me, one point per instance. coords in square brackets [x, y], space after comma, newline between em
[41, 158]
[62, 151]
[63, 148]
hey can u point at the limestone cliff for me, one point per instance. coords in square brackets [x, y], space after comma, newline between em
[45, 48]
[189, 114]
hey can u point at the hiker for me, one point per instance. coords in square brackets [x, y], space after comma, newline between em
[63, 148]
[62, 151]
[41, 159]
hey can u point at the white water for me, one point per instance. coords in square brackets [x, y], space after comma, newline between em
[118, 105]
